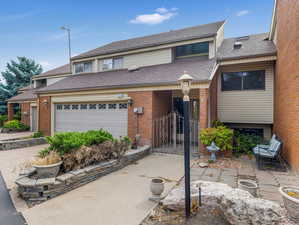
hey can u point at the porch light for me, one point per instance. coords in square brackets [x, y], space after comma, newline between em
[130, 102]
[186, 81]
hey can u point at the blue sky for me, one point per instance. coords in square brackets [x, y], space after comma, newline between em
[31, 28]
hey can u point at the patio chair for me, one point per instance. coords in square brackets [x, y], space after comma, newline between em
[273, 138]
[270, 154]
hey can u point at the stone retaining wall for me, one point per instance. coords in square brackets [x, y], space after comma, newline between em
[35, 191]
[21, 143]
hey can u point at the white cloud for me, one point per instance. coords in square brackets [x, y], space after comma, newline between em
[243, 12]
[161, 15]
[161, 10]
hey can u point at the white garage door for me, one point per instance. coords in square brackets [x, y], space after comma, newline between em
[112, 117]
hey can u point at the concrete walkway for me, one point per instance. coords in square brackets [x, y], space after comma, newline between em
[120, 198]
[8, 136]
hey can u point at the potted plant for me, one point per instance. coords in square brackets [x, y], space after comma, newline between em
[47, 165]
[221, 135]
[290, 197]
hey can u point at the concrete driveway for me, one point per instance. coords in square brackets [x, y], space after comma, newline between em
[120, 198]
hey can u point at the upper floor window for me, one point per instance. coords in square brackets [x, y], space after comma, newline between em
[238, 81]
[83, 67]
[112, 64]
[201, 48]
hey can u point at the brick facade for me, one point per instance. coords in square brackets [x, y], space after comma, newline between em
[203, 107]
[25, 113]
[286, 122]
[44, 115]
[10, 112]
[155, 104]
[213, 97]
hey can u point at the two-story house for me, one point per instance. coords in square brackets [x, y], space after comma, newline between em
[125, 85]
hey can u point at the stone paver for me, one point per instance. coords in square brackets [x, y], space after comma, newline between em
[268, 181]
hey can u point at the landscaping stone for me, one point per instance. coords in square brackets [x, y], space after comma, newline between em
[21, 143]
[238, 206]
[35, 191]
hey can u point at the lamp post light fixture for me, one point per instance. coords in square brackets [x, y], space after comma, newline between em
[68, 30]
[185, 81]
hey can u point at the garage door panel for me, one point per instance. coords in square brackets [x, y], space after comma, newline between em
[113, 120]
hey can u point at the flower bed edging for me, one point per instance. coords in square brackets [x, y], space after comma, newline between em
[21, 143]
[35, 191]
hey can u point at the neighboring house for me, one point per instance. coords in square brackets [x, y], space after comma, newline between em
[125, 85]
[285, 34]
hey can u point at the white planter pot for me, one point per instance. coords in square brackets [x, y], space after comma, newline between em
[291, 203]
[248, 185]
[157, 188]
[47, 171]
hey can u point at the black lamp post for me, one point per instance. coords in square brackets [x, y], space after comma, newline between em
[185, 81]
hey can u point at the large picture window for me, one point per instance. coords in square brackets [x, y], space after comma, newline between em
[238, 81]
[192, 49]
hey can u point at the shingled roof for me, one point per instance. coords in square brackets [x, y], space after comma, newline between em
[252, 46]
[201, 31]
[27, 95]
[200, 68]
[65, 69]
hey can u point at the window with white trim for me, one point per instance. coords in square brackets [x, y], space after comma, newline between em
[112, 64]
[83, 67]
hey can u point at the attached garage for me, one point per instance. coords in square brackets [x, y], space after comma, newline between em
[110, 116]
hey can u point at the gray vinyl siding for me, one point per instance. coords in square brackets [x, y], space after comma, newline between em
[252, 106]
[148, 58]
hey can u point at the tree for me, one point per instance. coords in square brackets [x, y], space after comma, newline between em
[17, 75]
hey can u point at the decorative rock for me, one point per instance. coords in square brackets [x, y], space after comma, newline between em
[203, 165]
[45, 181]
[238, 206]
[21, 143]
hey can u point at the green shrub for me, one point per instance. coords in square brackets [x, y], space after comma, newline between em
[43, 153]
[222, 136]
[66, 142]
[15, 125]
[244, 143]
[3, 119]
[37, 134]
[17, 116]
[217, 123]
